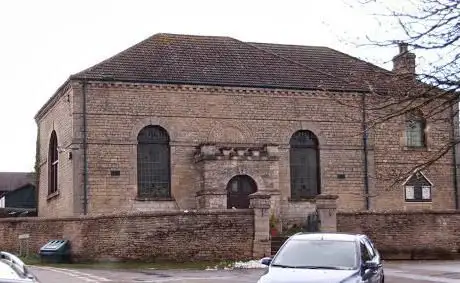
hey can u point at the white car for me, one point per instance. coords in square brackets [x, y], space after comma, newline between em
[13, 270]
[325, 258]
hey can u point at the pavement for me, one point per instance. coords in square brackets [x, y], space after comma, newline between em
[395, 272]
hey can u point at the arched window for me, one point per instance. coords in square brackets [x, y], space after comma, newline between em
[415, 129]
[153, 163]
[304, 165]
[53, 162]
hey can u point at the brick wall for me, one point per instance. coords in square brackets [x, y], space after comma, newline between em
[407, 235]
[148, 236]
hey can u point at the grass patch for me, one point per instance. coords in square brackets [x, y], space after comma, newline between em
[30, 260]
[131, 265]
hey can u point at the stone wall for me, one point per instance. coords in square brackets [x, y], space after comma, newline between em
[407, 235]
[390, 158]
[151, 236]
[193, 115]
[59, 118]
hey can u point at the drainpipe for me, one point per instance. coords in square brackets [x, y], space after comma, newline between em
[454, 153]
[85, 145]
[364, 129]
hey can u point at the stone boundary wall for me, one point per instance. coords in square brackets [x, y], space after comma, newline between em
[154, 236]
[407, 235]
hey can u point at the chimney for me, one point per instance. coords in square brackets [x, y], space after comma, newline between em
[404, 62]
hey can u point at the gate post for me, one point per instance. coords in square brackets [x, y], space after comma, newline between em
[260, 203]
[326, 206]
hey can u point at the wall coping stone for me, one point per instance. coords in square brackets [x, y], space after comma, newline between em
[272, 192]
[142, 214]
[259, 195]
[399, 212]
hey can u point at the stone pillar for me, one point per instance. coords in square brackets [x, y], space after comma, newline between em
[210, 199]
[260, 203]
[326, 206]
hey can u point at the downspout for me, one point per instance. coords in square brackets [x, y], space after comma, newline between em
[364, 129]
[454, 154]
[85, 145]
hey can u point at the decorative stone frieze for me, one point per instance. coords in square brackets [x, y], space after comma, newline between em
[242, 153]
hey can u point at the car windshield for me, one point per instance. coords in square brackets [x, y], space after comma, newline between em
[328, 254]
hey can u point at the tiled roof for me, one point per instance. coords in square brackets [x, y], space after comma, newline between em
[225, 61]
[9, 181]
[333, 64]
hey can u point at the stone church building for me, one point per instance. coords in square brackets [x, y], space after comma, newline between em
[181, 122]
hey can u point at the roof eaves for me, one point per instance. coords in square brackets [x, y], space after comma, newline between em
[198, 83]
[52, 100]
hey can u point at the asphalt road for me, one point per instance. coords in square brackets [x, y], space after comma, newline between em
[400, 272]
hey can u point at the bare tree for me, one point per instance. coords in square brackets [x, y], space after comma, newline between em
[433, 25]
[430, 27]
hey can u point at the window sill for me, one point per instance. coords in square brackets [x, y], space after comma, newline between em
[53, 195]
[138, 198]
[416, 148]
[415, 201]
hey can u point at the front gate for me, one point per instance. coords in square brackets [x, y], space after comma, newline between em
[312, 224]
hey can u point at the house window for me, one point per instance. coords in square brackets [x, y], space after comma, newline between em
[304, 165]
[418, 188]
[415, 130]
[153, 163]
[53, 162]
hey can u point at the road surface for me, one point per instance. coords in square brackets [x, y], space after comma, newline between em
[396, 272]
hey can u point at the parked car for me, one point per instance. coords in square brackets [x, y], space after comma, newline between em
[13, 270]
[325, 258]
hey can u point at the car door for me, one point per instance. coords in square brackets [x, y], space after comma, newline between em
[366, 256]
[375, 257]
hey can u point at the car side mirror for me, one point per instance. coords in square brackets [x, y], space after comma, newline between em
[266, 261]
[372, 265]
[367, 274]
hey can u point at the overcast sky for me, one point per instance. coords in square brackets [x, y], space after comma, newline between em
[45, 41]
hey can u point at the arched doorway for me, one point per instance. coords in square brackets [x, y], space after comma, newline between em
[238, 190]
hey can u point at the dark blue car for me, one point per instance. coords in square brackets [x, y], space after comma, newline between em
[325, 258]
